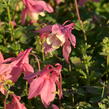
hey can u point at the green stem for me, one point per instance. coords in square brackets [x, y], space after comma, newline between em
[70, 67]
[37, 60]
[9, 19]
[43, 55]
[87, 69]
[6, 97]
[102, 94]
[108, 61]
[26, 88]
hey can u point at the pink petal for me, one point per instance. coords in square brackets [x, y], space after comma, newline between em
[56, 29]
[66, 50]
[23, 56]
[57, 77]
[35, 87]
[46, 29]
[45, 6]
[38, 6]
[72, 40]
[5, 68]
[59, 85]
[29, 4]
[58, 68]
[27, 68]
[48, 92]
[9, 60]
[30, 77]
[21, 64]
[16, 73]
[15, 68]
[24, 15]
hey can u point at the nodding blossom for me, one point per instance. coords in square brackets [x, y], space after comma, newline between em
[56, 36]
[12, 68]
[82, 2]
[15, 104]
[34, 8]
[44, 85]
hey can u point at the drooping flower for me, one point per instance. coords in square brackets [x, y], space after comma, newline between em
[34, 8]
[12, 68]
[44, 85]
[82, 2]
[15, 104]
[56, 36]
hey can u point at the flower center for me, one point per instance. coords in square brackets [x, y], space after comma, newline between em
[35, 16]
[55, 40]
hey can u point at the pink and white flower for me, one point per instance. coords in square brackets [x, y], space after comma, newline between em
[34, 8]
[12, 68]
[44, 85]
[56, 36]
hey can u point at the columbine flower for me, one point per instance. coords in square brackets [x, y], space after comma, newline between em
[15, 104]
[45, 84]
[12, 68]
[82, 2]
[34, 8]
[57, 36]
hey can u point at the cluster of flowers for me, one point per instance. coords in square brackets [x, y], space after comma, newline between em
[42, 83]
[48, 81]
[34, 8]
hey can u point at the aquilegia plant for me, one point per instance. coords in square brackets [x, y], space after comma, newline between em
[54, 54]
